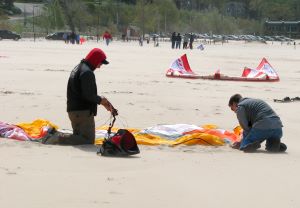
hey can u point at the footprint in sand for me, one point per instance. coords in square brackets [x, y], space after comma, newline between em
[155, 81]
[174, 109]
[115, 193]
[10, 172]
[217, 110]
[56, 70]
[6, 92]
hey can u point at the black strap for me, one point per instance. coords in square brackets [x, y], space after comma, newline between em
[111, 125]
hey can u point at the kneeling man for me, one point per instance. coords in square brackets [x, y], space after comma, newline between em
[259, 123]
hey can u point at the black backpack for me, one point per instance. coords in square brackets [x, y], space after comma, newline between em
[122, 143]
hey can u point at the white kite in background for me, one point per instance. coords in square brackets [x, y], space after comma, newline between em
[181, 68]
[200, 47]
[264, 71]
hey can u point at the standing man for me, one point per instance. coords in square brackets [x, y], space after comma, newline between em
[192, 38]
[82, 101]
[186, 39]
[178, 41]
[259, 123]
[173, 40]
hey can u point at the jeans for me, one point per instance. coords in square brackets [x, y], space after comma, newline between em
[272, 137]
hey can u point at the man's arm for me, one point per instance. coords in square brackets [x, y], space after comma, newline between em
[242, 118]
[89, 88]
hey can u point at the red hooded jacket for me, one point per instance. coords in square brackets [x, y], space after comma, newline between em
[95, 57]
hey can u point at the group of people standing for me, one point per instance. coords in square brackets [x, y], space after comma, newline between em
[71, 38]
[187, 39]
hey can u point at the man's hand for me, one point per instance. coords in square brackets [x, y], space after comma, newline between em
[114, 112]
[108, 106]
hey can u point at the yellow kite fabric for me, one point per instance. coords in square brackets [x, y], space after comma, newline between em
[38, 128]
[194, 135]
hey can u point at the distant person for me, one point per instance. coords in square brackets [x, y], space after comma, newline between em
[186, 39]
[65, 37]
[223, 39]
[82, 40]
[155, 41]
[259, 123]
[73, 37]
[107, 37]
[123, 37]
[173, 40]
[178, 41]
[77, 38]
[192, 38]
[82, 101]
[141, 40]
[68, 37]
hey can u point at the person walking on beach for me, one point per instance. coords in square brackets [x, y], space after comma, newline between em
[107, 37]
[82, 101]
[141, 40]
[259, 123]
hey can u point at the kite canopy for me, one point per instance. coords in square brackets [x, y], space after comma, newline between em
[263, 71]
[180, 68]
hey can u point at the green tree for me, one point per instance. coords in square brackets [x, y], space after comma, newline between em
[295, 9]
[52, 17]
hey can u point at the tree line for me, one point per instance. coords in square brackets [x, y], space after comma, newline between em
[161, 16]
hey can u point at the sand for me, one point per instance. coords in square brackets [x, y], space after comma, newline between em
[33, 85]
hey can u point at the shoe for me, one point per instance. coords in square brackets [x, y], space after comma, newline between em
[51, 130]
[277, 148]
[251, 147]
[51, 138]
[282, 147]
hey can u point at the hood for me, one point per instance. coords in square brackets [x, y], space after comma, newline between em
[95, 57]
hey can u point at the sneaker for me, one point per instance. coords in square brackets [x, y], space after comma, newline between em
[51, 138]
[251, 147]
[282, 147]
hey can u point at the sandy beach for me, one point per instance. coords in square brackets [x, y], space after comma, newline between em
[33, 85]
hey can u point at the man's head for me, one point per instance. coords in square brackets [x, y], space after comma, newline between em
[233, 101]
[96, 58]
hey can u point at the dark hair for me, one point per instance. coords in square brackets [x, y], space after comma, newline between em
[234, 99]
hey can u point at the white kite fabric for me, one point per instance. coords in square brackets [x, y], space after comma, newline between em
[264, 70]
[180, 68]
